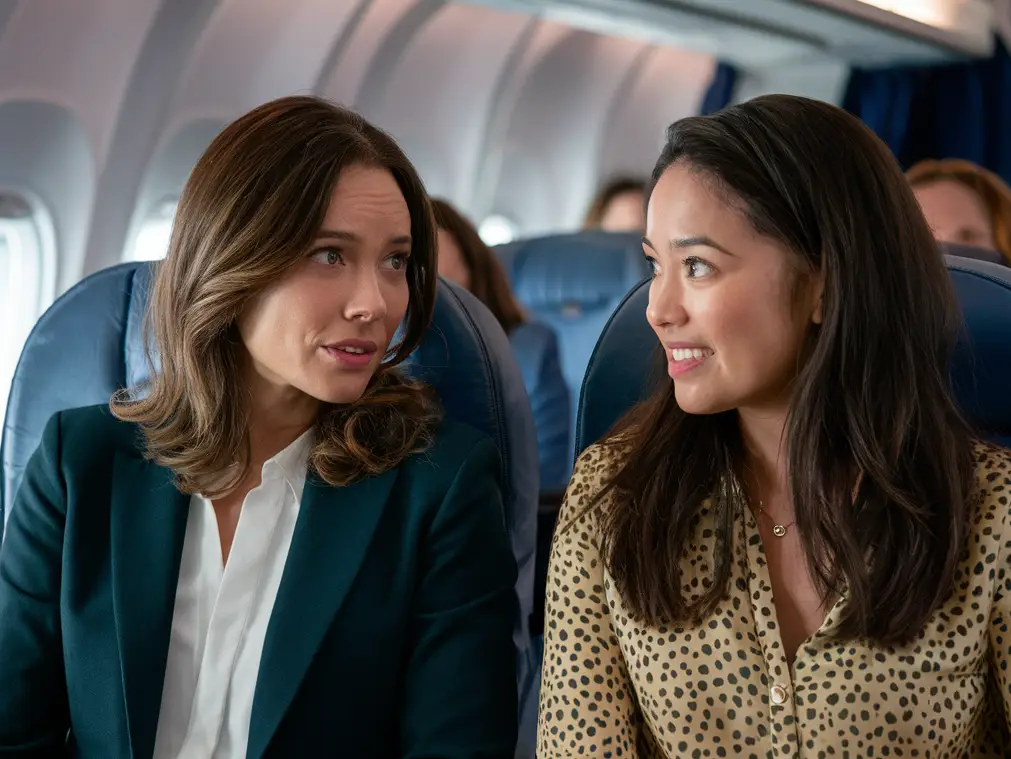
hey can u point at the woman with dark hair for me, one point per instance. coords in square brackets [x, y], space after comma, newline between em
[796, 546]
[275, 548]
[466, 260]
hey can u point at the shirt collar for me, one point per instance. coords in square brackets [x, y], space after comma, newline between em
[292, 462]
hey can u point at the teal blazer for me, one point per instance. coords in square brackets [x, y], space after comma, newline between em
[391, 635]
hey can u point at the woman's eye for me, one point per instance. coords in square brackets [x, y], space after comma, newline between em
[696, 267]
[398, 261]
[328, 256]
[654, 267]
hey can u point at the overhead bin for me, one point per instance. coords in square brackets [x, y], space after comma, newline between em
[769, 32]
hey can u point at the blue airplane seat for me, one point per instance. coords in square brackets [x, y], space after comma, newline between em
[981, 371]
[625, 364]
[573, 283]
[979, 254]
[535, 346]
[89, 344]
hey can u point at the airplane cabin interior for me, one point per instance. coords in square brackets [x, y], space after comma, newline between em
[516, 112]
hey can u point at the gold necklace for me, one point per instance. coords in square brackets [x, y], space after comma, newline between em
[779, 530]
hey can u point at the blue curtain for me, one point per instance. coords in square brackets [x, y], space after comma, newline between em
[960, 110]
[721, 89]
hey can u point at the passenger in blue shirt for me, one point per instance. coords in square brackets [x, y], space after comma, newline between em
[467, 261]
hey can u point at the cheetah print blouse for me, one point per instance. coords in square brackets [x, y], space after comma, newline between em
[614, 688]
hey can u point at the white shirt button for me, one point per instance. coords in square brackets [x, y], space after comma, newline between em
[778, 694]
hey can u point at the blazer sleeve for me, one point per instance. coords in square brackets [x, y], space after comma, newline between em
[587, 703]
[460, 694]
[34, 711]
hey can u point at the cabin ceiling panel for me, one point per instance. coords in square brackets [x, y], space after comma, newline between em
[820, 77]
[140, 123]
[253, 51]
[387, 56]
[53, 161]
[381, 18]
[437, 102]
[7, 8]
[557, 124]
[170, 169]
[670, 85]
[537, 41]
[79, 54]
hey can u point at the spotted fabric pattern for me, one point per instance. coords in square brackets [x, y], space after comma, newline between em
[612, 687]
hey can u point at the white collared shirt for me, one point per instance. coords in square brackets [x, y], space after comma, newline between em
[221, 614]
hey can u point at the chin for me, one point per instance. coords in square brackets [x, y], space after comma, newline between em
[700, 404]
[342, 396]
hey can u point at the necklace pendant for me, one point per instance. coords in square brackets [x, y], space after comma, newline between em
[778, 530]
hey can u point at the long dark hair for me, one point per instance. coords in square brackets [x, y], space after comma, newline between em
[488, 281]
[873, 410]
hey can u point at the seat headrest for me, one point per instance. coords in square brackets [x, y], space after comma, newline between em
[466, 358]
[60, 369]
[620, 372]
[981, 371]
[969, 251]
[574, 274]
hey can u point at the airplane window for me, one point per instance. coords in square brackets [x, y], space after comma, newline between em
[498, 230]
[23, 282]
[152, 240]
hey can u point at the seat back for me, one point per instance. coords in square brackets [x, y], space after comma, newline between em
[572, 283]
[535, 346]
[89, 343]
[979, 254]
[981, 370]
[624, 368]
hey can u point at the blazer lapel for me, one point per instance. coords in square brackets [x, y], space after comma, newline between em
[331, 539]
[147, 532]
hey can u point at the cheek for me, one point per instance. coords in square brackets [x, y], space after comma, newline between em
[261, 326]
[288, 319]
[753, 330]
[397, 296]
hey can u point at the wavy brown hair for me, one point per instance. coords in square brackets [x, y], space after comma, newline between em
[989, 187]
[249, 212]
[488, 281]
[872, 407]
[607, 193]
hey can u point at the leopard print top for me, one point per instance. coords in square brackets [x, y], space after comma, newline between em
[615, 688]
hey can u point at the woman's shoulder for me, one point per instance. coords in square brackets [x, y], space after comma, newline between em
[93, 428]
[593, 470]
[597, 464]
[992, 482]
[452, 445]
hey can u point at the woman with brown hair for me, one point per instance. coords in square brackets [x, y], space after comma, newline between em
[467, 261]
[964, 204]
[795, 547]
[617, 206]
[276, 547]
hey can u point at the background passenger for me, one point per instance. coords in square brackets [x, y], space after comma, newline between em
[279, 549]
[618, 207]
[964, 204]
[466, 260]
[795, 547]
